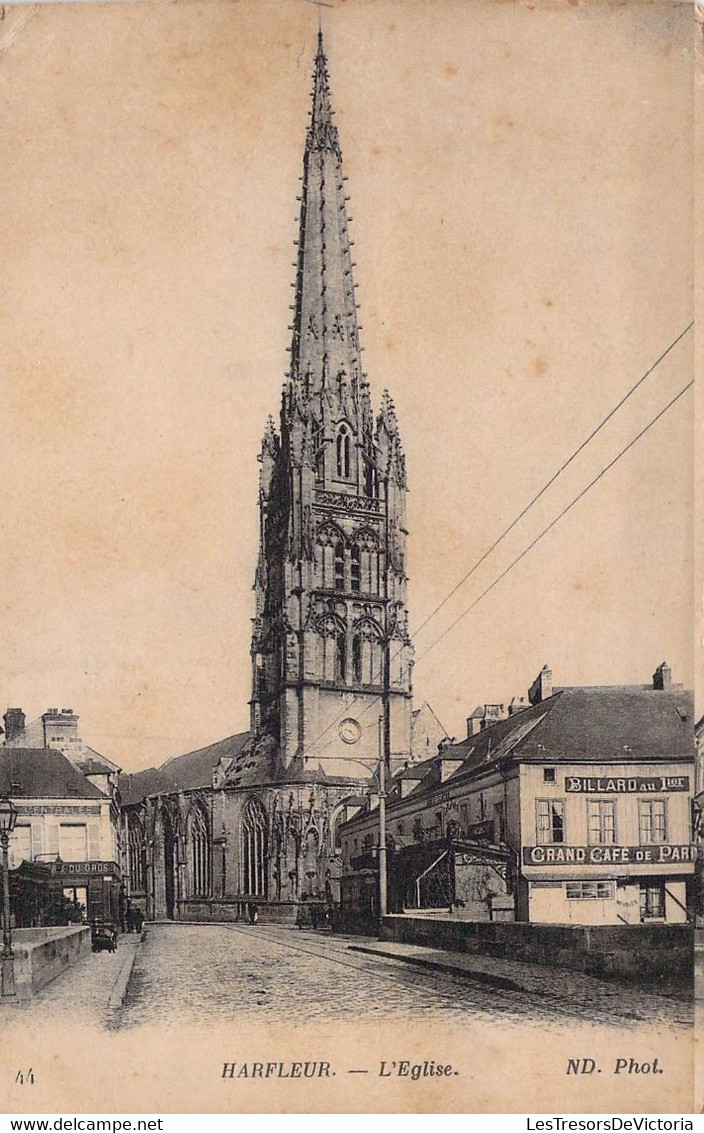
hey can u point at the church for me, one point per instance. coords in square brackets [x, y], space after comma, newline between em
[255, 818]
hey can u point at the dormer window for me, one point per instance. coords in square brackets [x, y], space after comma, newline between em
[343, 453]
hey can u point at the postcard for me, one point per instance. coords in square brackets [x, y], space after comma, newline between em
[348, 752]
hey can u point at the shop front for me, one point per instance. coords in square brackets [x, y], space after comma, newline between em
[92, 887]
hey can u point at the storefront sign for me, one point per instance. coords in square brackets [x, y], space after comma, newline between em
[622, 785]
[63, 868]
[57, 808]
[608, 855]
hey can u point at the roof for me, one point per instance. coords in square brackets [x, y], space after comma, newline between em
[604, 724]
[42, 773]
[181, 772]
[93, 763]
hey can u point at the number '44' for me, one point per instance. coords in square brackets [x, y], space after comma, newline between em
[25, 1077]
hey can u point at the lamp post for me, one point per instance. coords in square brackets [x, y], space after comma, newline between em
[383, 901]
[8, 818]
[350, 732]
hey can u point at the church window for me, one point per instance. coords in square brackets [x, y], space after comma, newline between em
[310, 864]
[365, 563]
[371, 480]
[136, 857]
[356, 569]
[332, 650]
[343, 453]
[199, 871]
[329, 558]
[254, 850]
[357, 658]
[339, 566]
[324, 564]
[341, 656]
[367, 654]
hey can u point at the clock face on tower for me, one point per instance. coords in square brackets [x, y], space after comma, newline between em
[349, 730]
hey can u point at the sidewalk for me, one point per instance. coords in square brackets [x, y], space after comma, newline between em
[559, 984]
[86, 994]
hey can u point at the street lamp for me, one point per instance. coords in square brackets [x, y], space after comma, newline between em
[8, 818]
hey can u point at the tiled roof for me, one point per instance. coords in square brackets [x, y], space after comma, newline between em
[575, 725]
[42, 773]
[181, 772]
[195, 769]
[591, 725]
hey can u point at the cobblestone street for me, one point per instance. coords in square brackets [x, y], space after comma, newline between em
[191, 972]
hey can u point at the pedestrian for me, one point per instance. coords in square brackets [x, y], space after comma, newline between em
[129, 916]
[253, 912]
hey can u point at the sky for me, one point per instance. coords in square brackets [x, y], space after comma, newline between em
[521, 193]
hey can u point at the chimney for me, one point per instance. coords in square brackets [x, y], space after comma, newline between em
[541, 688]
[662, 677]
[14, 722]
[517, 704]
[474, 722]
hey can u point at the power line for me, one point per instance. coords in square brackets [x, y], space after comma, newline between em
[372, 685]
[551, 481]
[543, 533]
[557, 519]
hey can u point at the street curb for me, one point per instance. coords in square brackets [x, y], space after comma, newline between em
[502, 982]
[119, 988]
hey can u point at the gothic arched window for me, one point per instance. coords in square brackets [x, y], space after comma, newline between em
[332, 650]
[254, 850]
[340, 565]
[136, 856]
[371, 479]
[365, 563]
[329, 557]
[342, 449]
[340, 656]
[356, 569]
[367, 653]
[198, 848]
[357, 658]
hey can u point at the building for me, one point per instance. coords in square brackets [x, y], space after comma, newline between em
[255, 818]
[65, 835]
[58, 730]
[577, 808]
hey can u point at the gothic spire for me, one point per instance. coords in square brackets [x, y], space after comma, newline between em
[325, 351]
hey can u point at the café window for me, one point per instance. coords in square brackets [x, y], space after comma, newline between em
[652, 815]
[550, 821]
[589, 890]
[601, 814]
[73, 841]
[652, 901]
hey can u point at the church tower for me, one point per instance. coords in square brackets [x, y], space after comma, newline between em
[330, 638]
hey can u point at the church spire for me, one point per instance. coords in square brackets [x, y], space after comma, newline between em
[325, 350]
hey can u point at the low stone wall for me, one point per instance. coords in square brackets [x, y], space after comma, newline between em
[42, 954]
[660, 955]
[270, 912]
